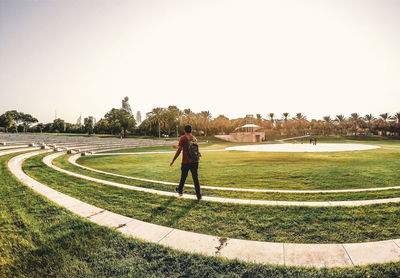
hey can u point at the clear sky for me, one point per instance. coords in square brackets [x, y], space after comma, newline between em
[230, 57]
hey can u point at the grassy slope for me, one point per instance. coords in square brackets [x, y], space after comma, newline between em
[39, 239]
[340, 170]
[63, 163]
[279, 224]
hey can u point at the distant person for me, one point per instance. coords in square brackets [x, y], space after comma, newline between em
[190, 160]
[313, 140]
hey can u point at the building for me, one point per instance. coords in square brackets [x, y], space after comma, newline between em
[247, 133]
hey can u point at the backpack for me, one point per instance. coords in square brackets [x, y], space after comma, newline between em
[193, 150]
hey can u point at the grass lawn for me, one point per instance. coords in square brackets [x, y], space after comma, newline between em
[215, 143]
[40, 239]
[386, 142]
[204, 145]
[279, 224]
[62, 162]
[338, 170]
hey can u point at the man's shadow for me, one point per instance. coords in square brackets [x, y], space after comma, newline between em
[183, 209]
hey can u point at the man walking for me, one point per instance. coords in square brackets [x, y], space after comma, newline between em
[190, 160]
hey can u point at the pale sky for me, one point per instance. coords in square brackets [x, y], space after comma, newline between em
[230, 57]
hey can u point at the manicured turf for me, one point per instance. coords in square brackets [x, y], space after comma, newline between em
[214, 143]
[62, 162]
[204, 145]
[339, 170]
[39, 239]
[279, 224]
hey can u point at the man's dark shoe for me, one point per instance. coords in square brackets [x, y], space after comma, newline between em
[198, 198]
[177, 190]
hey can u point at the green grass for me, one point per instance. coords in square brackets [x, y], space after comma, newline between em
[372, 140]
[40, 239]
[338, 170]
[205, 145]
[62, 162]
[279, 224]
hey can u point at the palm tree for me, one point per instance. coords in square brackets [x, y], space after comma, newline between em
[327, 124]
[384, 122]
[300, 116]
[156, 117]
[369, 118]
[300, 121]
[355, 120]
[205, 120]
[285, 116]
[271, 116]
[340, 119]
[327, 119]
[385, 116]
[396, 117]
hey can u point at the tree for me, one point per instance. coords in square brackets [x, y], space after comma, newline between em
[221, 125]
[40, 127]
[156, 117]
[341, 121]
[383, 122]
[171, 118]
[369, 118]
[88, 124]
[6, 121]
[103, 127]
[300, 116]
[285, 116]
[271, 117]
[58, 125]
[13, 118]
[120, 120]
[355, 121]
[27, 120]
[396, 118]
[327, 126]
[301, 123]
[205, 118]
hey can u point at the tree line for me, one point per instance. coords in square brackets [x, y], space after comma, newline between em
[116, 121]
[169, 121]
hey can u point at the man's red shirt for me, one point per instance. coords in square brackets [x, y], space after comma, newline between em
[183, 142]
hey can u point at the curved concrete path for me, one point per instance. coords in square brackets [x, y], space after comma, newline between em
[48, 161]
[13, 147]
[289, 254]
[74, 158]
[17, 150]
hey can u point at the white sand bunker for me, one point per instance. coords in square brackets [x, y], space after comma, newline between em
[320, 147]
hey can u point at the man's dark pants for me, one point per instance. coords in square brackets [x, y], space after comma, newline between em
[192, 167]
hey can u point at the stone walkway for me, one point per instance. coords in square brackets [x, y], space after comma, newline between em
[12, 147]
[74, 158]
[48, 161]
[289, 254]
[17, 150]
